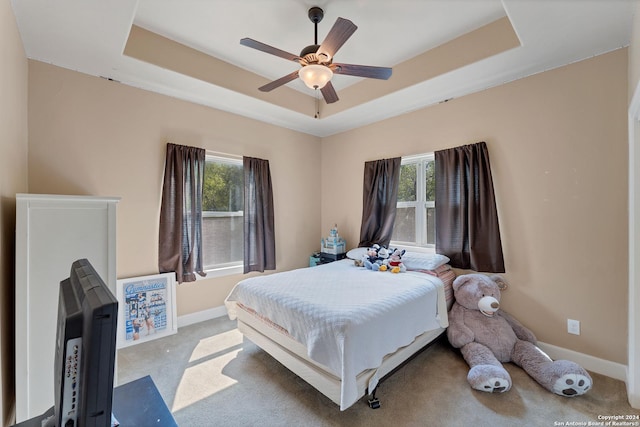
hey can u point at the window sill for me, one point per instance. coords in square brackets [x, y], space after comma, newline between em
[220, 272]
[408, 248]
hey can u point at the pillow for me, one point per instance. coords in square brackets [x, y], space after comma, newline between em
[423, 261]
[357, 253]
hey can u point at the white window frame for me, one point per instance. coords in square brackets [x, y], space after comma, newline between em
[229, 268]
[420, 204]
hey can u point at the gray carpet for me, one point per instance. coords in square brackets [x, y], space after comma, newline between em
[210, 376]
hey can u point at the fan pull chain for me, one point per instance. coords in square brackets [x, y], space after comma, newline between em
[317, 115]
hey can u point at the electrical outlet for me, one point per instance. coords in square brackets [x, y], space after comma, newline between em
[573, 326]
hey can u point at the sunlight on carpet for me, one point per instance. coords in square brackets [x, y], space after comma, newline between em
[218, 343]
[203, 377]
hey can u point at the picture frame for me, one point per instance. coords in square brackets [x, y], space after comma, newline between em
[146, 308]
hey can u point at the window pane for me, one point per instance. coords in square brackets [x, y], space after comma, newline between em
[415, 221]
[431, 226]
[407, 185]
[404, 229]
[223, 187]
[430, 181]
[222, 240]
[222, 218]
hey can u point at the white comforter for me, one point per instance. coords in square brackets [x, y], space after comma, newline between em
[348, 317]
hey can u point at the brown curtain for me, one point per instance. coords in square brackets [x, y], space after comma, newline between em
[380, 194]
[259, 231]
[467, 228]
[180, 242]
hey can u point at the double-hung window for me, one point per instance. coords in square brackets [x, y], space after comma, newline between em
[222, 213]
[416, 208]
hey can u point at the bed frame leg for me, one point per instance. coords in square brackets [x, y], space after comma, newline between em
[374, 403]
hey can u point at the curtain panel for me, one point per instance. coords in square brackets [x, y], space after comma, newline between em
[467, 228]
[380, 194]
[259, 231]
[180, 237]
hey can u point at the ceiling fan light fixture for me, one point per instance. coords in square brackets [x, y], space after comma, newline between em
[316, 60]
[315, 76]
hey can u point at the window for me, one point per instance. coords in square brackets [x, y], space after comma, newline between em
[222, 213]
[416, 208]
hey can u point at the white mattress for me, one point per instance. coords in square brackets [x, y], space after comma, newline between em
[348, 317]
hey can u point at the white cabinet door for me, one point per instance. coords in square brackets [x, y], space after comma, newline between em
[51, 233]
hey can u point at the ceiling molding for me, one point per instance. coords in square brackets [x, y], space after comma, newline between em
[438, 49]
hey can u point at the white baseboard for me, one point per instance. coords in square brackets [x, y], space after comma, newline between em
[201, 316]
[590, 363]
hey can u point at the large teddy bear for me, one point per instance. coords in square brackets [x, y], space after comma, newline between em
[488, 337]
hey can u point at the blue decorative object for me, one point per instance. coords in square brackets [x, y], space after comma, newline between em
[334, 244]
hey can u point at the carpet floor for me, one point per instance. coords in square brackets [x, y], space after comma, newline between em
[209, 375]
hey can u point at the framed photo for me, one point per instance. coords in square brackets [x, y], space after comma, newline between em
[147, 308]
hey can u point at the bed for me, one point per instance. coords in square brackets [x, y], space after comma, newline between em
[341, 327]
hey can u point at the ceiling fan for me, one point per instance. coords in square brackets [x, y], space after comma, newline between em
[317, 60]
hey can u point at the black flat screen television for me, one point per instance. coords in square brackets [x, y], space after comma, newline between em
[85, 350]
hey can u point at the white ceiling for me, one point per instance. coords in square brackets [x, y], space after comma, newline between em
[89, 36]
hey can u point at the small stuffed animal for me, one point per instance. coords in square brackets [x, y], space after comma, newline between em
[372, 253]
[371, 257]
[383, 258]
[376, 258]
[395, 261]
[488, 337]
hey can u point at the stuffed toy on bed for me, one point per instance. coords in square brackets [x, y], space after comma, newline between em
[377, 258]
[489, 337]
[395, 261]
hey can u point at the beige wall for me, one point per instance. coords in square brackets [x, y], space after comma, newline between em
[558, 147]
[13, 179]
[91, 136]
